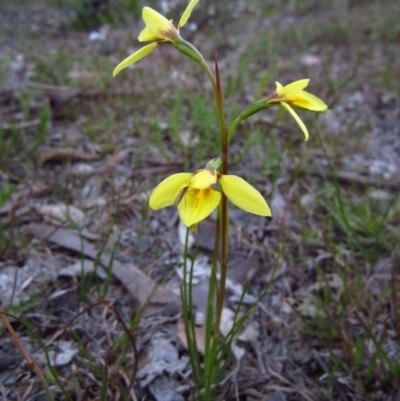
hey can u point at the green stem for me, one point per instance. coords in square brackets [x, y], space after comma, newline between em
[246, 113]
[211, 298]
[211, 369]
[233, 128]
[188, 317]
[216, 83]
[197, 56]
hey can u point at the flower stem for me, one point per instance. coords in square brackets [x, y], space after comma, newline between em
[233, 128]
[197, 56]
[211, 370]
[224, 234]
[224, 203]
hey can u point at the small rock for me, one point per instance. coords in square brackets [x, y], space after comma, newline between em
[275, 396]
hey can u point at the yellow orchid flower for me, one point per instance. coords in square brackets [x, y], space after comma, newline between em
[159, 29]
[293, 96]
[195, 197]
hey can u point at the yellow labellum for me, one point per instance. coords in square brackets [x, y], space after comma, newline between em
[197, 205]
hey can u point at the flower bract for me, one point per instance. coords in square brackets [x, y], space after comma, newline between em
[294, 96]
[195, 197]
[158, 29]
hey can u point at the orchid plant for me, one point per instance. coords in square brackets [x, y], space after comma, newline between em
[196, 194]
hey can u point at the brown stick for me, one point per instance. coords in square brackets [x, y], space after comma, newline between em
[28, 359]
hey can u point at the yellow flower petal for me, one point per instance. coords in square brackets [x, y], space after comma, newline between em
[158, 25]
[154, 21]
[198, 204]
[307, 101]
[297, 118]
[244, 195]
[290, 90]
[167, 190]
[133, 58]
[187, 12]
[294, 95]
[203, 179]
[146, 35]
